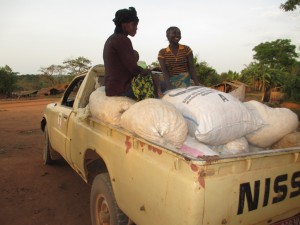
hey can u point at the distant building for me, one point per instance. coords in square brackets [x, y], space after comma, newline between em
[235, 88]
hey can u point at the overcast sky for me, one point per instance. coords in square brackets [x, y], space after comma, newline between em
[39, 33]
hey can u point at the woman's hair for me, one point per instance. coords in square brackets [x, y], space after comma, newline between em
[124, 16]
[171, 28]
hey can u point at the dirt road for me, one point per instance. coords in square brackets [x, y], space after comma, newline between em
[31, 193]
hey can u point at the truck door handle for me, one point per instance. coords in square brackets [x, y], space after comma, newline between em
[65, 116]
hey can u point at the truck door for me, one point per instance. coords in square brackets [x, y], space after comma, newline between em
[63, 112]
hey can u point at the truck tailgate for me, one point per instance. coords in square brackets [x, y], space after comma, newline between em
[261, 189]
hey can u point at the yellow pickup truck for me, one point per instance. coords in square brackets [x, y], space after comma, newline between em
[135, 181]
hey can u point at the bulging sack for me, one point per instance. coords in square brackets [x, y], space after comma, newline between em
[83, 113]
[278, 123]
[108, 109]
[213, 117]
[236, 146]
[288, 141]
[156, 121]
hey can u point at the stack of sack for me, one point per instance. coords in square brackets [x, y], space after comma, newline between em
[226, 125]
[198, 120]
[152, 119]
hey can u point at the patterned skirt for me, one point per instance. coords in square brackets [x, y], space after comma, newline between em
[143, 87]
[181, 80]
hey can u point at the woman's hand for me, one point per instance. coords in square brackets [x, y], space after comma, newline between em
[196, 82]
[145, 72]
[168, 84]
[160, 94]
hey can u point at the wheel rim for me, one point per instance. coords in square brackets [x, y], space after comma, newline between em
[102, 211]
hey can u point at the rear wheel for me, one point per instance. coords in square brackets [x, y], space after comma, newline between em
[103, 205]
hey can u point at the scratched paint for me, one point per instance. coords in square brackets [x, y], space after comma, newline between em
[201, 181]
[201, 175]
[155, 150]
[142, 145]
[194, 167]
[128, 144]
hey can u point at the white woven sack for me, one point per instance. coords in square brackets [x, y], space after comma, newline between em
[156, 121]
[108, 109]
[236, 146]
[278, 123]
[83, 113]
[213, 117]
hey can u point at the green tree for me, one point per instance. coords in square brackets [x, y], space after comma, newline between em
[276, 54]
[60, 70]
[49, 72]
[262, 77]
[206, 74]
[53, 70]
[155, 64]
[290, 5]
[8, 80]
[230, 75]
[77, 65]
[291, 85]
[251, 75]
[274, 61]
[28, 82]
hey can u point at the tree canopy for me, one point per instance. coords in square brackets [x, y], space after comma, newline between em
[8, 80]
[279, 53]
[290, 5]
[230, 75]
[71, 66]
[275, 65]
[206, 74]
[77, 65]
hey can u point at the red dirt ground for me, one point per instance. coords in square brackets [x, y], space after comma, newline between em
[290, 105]
[30, 192]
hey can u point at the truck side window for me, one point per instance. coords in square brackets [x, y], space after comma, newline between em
[71, 92]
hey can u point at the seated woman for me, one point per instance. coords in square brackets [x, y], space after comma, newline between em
[119, 60]
[176, 62]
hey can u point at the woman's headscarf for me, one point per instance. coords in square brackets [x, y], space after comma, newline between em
[124, 16]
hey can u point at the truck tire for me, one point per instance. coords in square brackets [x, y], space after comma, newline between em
[47, 159]
[103, 206]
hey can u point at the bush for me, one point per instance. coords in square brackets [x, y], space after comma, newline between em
[292, 87]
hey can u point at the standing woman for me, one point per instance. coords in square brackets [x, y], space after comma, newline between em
[176, 62]
[119, 59]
